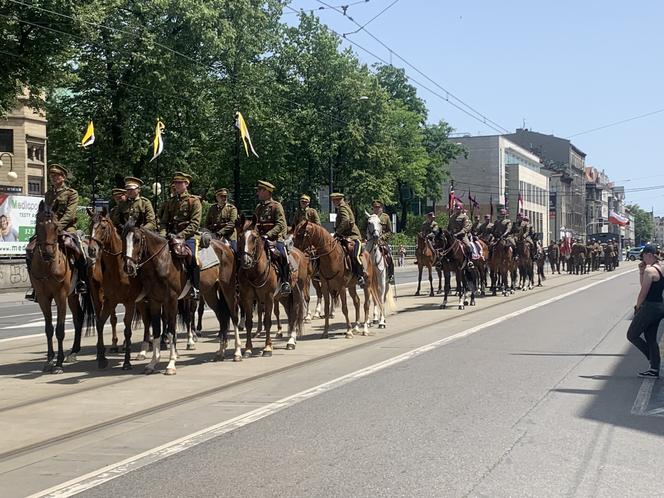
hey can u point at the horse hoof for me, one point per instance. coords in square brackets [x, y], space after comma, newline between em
[247, 354]
[57, 370]
[290, 347]
[126, 366]
[191, 347]
[48, 368]
[325, 335]
[417, 293]
[460, 307]
[170, 371]
[237, 357]
[381, 325]
[431, 294]
[140, 356]
[307, 320]
[71, 358]
[279, 335]
[349, 335]
[148, 371]
[472, 303]
[465, 302]
[266, 354]
[439, 291]
[102, 363]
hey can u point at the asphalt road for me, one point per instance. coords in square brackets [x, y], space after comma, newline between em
[540, 404]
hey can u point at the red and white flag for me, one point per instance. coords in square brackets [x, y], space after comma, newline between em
[617, 219]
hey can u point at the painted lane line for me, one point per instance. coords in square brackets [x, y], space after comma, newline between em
[110, 472]
[30, 336]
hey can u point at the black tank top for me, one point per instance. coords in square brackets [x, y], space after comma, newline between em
[656, 288]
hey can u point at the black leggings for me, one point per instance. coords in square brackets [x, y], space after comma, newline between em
[646, 322]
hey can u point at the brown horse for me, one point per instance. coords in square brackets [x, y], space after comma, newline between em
[110, 285]
[148, 258]
[259, 282]
[525, 264]
[335, 274]
[501, 264]
[51, 274]
[452, 259]
[425, 255]
[554, 257]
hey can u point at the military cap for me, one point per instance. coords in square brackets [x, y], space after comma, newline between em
[266, 185]
[431, 213]
[132, 182]
[221, 191]
[58, 168]
[117, 191]
[179, 176]
[376, 203]
[336, 195]
[487, 216]
[305, 197]
[525, 218]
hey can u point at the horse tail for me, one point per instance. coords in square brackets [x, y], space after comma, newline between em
[184, 313]
[137, 319]
[224, 312]
[88, 316]
[390, 303]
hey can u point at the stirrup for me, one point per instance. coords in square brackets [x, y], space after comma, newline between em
[30, 295]
[285, 288]
[81, 287]
[193, 293]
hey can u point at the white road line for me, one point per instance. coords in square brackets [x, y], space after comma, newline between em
[643, 397]
[30, 336]
[105, 474]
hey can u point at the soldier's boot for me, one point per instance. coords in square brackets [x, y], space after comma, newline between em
[195, 277]
[390, 268]
[357, 263]
[82, 270]
[30, 293]
[284, 276]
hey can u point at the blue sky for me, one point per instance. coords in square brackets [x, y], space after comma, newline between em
[564, 67]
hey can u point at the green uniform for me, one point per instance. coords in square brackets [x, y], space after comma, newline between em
[502, 227]
[345, 225]
[307, 214]
[139, 209]
[429, 227]
[386, 227]
[271, 220]
[63, 202]
[459, 225]
[221, 219]
[485, 228]
[181, 216]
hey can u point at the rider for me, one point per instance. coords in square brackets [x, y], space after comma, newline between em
[305, 213]
[221, 218]
[459, 225]
[118, 195]
[271, 225]
[181, 219]
[345, 227]
[63, 201]
[475, 225]
[502, 227]
[429, 227]
[386, 235]
[526, 231]
[485, 229]
[135, 207]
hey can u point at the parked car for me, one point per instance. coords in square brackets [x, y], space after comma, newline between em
[634, 253]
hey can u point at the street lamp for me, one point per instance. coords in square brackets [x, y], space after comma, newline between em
[12, 175]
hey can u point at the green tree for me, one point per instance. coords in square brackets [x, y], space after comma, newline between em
[643, 224]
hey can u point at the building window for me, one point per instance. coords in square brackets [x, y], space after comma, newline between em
[35, 185]
[36, 153]
[7, 141]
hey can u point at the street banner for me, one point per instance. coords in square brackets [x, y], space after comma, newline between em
[17, 222]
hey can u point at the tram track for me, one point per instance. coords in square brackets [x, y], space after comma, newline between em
[91, 429]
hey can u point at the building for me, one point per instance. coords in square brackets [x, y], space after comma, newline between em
[23, 149]
[659, 230]
[497, 172]
[598, 192]
[564, 164]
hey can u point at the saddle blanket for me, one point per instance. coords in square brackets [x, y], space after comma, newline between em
[477, 251]
[207, 258]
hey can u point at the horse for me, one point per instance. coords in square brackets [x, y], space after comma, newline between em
[383, 290]
[51, 274]
[554, 257]
[110, 285]
[525, 264]
[451, 258]
[260, 282]
[425, 255]
[335, 274]
[148, 258]
[501, 264]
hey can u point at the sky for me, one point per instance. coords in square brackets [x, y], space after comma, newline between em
[561, 67]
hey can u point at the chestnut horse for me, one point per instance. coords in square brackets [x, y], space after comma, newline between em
[335, 276]
[525, 263]
[148, 258]
[451, 259]
[425, 255]
[259, 282]
[502, 266]
[51, 275]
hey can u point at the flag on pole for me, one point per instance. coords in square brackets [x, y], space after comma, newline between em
[520, 203]
[89, 137]
[452, 199]
[244, 133]
[473, 201]
[618, 219]
[158, 142]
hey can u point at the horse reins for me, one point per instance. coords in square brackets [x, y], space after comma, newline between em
[254, 260]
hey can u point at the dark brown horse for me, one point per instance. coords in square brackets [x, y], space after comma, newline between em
[51, 274]
[501, 264]
[147, 257]
[524, 256]
[451, 259]
[554, 257]
[425, 255]
[336, 275]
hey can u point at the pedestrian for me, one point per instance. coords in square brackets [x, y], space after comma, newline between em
[648, 311]
[402, 255]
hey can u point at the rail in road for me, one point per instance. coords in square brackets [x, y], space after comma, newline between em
[62, 414]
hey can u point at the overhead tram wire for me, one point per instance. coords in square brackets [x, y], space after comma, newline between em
[311, 11]
[370, 20]
[417, 82]
[484, 119]
[616, 123]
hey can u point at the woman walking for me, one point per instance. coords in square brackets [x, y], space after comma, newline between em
[648, 311]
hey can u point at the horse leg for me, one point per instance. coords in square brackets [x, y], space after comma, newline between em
[446, 290]
[145, 316]
[155, 318]
[419, 278]
[45, 306]
[344, 309]
[102, 362]
[431, 293]
[114, 332]
[191, 307]
[461, 289]
[130, 309]
[77, 314]
[440, 281]
[294, 310]
[326, 299]
[171, 318]
[61, 306]
[201, 310]
[248, 325]
[277, 312]
[267, 323]
[229, 307]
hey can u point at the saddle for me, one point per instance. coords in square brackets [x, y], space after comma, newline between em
[348, 261]
[71, 245]
[180, 250]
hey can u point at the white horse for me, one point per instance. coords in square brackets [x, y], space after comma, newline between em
[386, 299]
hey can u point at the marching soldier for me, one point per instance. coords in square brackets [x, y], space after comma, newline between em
[135, 207]
[221, 217]
[272, 225]
[63, 201]
[305, 213]
[386, 235]
[181, 219]
[345, 227]
[459, 225]
[430, 227]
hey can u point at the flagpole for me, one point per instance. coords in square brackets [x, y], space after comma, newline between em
[93, 172]
[236, 169]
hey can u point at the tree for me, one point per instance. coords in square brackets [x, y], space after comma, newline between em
[441, 152]
[643, 224]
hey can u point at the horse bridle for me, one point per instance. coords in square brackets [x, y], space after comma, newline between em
[140, 264]
[254, 261]
[40, 246]
[101, 243]
[312, 254]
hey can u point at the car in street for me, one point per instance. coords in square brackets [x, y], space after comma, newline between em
[634, 253]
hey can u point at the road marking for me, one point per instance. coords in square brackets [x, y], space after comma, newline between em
[110, 472]
[643, 397]
[22, 314]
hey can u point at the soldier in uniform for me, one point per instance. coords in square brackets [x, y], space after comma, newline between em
[475, 225]
[430, 227]
[221, 218]
[459, 225]
[272, 225]
[63, 201]
[345, 228]
[485, 229]
[502, 228]
[181, 219]
[305, 213]
[386, 235]
[526, 231]
[135, 207]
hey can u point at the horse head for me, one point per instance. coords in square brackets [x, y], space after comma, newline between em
[46, 229]
[374, 228]
[133, 247]
[300, 233]
[249, 242]
[102, 232]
